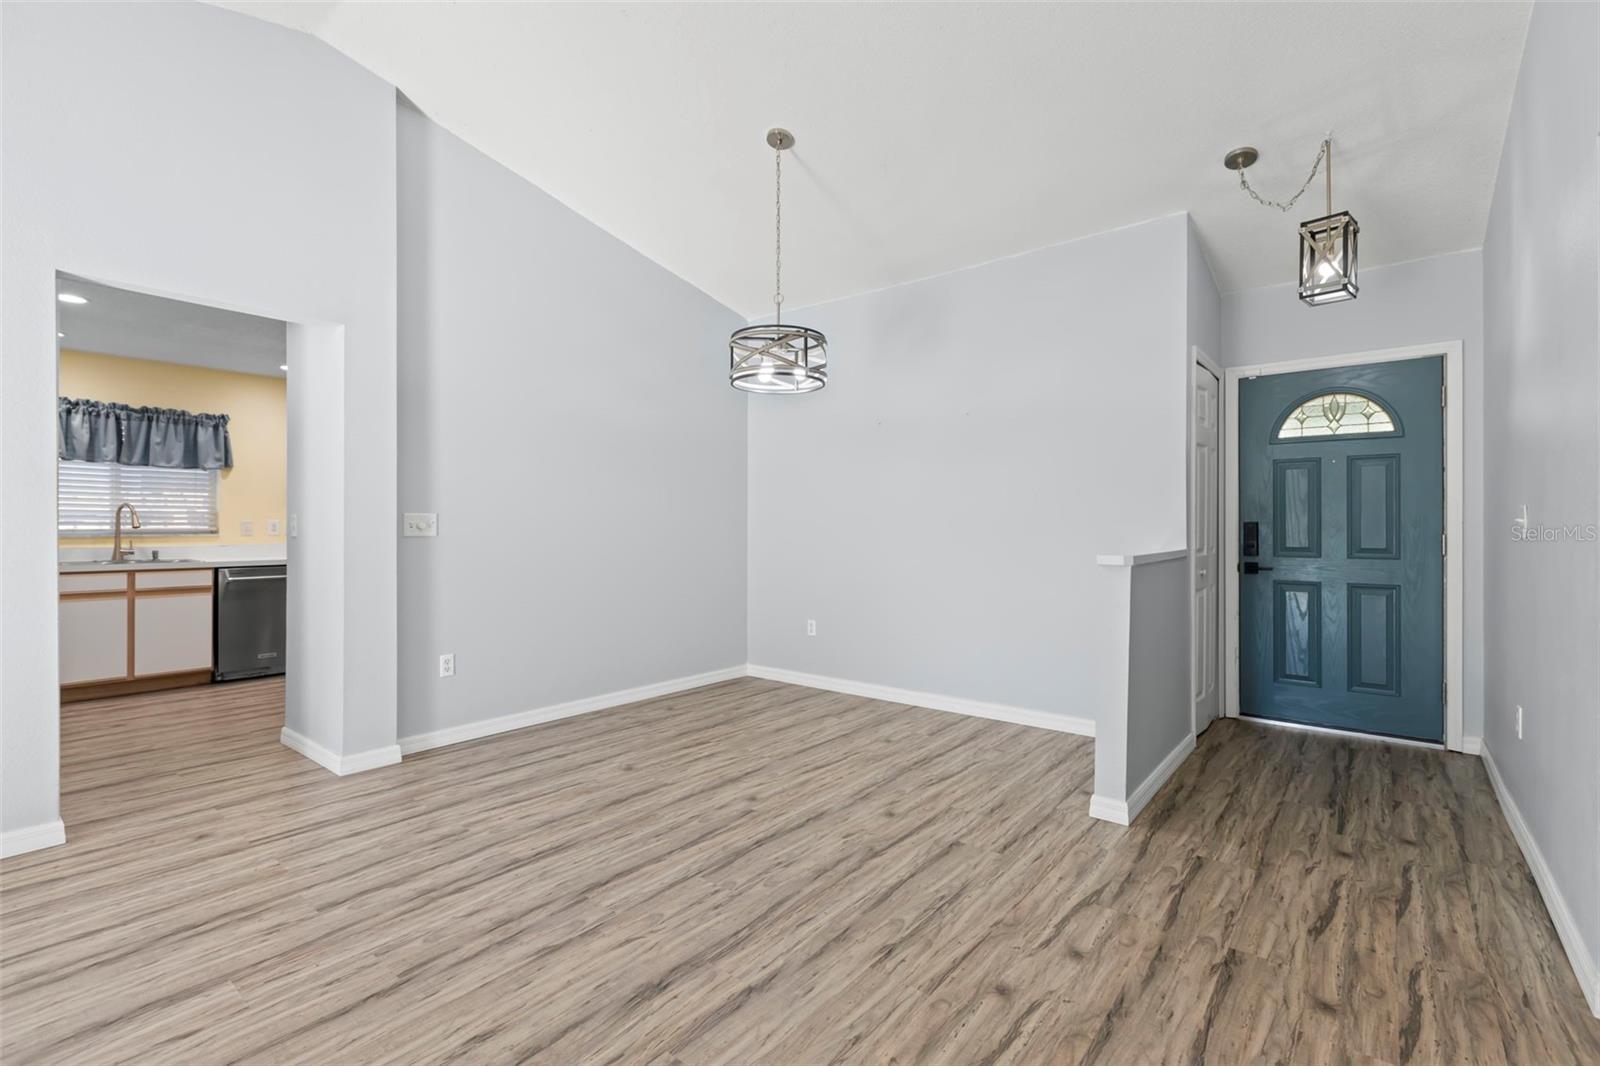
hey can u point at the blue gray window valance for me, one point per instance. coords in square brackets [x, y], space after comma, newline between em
[93, 432]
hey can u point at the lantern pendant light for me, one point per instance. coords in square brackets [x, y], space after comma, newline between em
[1327, 244]
[1328, 250]
[778, 357]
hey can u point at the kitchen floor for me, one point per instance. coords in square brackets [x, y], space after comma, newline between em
[758, 872]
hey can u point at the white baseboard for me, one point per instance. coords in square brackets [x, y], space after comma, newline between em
[999, 712]
[488, 727]
[1108, 809]
[506, 723]
[1113, 810]
[1472, 745]
[339, 764]
[1583, 963]
[32, 838]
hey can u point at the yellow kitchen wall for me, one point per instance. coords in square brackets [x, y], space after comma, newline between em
[256, 489]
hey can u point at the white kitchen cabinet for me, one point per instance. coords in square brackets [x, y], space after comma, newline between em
[74, 584]
[173, 579]
[132, 631]
[94, 638]
[171, 632]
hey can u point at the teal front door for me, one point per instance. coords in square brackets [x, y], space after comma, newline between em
[1341, 548]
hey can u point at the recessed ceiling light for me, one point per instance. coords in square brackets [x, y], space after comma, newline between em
[71, 298]
[59, 334]
[283, 366]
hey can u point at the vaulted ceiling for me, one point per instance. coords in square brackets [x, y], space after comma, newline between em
[935, 136]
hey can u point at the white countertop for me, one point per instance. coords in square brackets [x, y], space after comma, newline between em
[89, 567]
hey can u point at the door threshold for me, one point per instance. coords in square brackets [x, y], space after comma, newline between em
[1348, 734]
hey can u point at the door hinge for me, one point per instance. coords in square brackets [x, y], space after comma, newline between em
[1444, 395]
[1444, 544]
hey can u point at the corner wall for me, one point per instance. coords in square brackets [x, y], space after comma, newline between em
[1541, 298]
[565, 409]
[937, 510]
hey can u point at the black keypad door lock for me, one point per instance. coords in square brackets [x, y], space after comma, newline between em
[1251, 540]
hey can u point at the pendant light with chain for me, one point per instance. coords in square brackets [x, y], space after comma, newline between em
[1327, 244]
[778, 357]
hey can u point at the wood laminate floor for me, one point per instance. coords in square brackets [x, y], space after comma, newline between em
[754, 872]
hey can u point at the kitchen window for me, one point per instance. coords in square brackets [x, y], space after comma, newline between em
[169, 500]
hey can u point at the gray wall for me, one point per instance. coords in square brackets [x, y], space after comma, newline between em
[167, 147]
[1160, 703]
[1147, 606]
[938, 508]
[1542, 332]
[564, 407]
[1419, 302]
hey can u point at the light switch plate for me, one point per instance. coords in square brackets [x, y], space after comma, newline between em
[247, 529]
[419, 524]
[294, 525]
[273, 527]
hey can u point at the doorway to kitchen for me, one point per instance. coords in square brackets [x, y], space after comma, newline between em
[173, 522]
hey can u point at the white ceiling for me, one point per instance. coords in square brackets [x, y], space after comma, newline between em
[118, 322]
[936, 136]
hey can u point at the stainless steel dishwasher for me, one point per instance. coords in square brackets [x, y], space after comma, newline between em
[251, 621]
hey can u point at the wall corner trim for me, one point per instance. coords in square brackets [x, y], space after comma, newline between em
[1578, 955]
[32, 838]
[999, 712]
[1110, 810]
[488, 727]
[341, 765]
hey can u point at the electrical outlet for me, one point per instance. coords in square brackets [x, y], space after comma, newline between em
[447, 665]
[1519, 721]
[273, 527]
[421, 525]
[811, 627]
[247, 529]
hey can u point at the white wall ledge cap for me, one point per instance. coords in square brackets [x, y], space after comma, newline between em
[1141, 560]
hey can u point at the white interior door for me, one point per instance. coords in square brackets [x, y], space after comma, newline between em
[1206, 478]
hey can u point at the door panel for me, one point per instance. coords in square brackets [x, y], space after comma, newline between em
[1206, 520]
[172, 633]
[1341, 611]
[1297, 507]
[94, 638]
[1374, 507]
[1375, 639]
[1297, 632]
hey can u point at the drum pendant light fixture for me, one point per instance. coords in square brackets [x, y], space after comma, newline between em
[1327, 244]
[778, 357]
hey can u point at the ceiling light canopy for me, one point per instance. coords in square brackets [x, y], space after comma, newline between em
[71, 298]
[1327, 244]
[778, 357]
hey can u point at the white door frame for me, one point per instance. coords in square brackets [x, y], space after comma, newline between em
[1454, 525]
[1199, 357]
